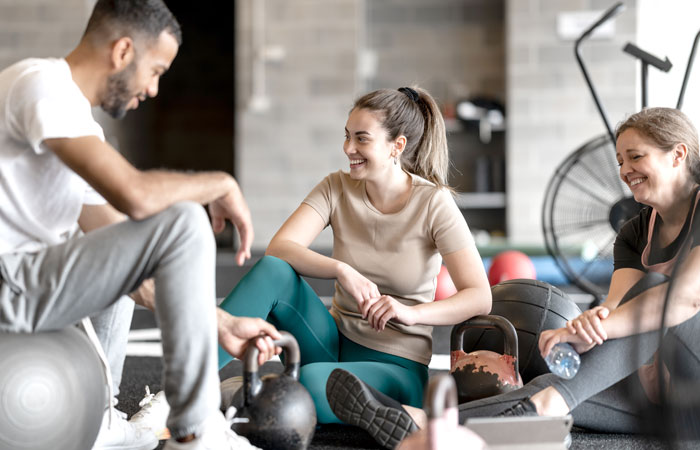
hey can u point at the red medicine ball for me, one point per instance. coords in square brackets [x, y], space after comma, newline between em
[511, 265]
[445, 287]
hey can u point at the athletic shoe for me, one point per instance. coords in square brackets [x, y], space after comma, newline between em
[153, 414]
[229, 387]
[523, 408]
[215, 433]
[353, 402]
[123, 435]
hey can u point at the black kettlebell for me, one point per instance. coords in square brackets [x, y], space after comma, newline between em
[278, 411]
[484, 373]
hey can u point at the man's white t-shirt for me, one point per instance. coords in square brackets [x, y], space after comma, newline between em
[40, 197]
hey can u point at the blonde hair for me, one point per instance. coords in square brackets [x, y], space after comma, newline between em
[413, 113]
[666, 128]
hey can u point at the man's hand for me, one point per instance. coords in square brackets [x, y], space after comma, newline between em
[233, 207]
[145, 295]
[235, 334]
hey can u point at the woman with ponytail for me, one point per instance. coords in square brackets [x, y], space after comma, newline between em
[394, 220]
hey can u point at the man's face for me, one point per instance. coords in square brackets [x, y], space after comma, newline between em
[140, 78]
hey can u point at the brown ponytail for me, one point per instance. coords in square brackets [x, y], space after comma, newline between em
[413, 113]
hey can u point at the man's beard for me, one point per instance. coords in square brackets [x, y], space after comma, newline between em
[118, 93]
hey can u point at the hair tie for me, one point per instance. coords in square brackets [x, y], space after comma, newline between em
[411, 93]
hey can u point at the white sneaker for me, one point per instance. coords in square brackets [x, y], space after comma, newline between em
[153, 414]
[229, 387]
[122, 435]
[215, 433]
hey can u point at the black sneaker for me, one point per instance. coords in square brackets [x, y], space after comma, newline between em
[352, 402]
[523, 408]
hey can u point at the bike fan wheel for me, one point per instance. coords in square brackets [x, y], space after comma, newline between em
[585, 205]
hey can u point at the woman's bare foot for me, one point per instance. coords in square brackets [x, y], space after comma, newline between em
[549, 402]
[418, 416]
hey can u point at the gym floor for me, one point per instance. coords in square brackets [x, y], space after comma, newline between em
[141, 370]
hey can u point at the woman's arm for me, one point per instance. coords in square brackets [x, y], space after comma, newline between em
[643, 313]
[587, 330]
[473, 297]
[292, 240]
[622, 281]
[588, 326]
[291, 244]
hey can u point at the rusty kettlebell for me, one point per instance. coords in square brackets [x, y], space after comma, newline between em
[443, 430]
[275, 411]
[484, 373]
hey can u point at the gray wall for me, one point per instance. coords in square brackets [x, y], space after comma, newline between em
[40, 28]
[334, 51]
[323, 53]
[550, 111]
[286, 149]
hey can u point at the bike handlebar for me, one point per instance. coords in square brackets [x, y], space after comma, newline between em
[614, 10]
[607, 15]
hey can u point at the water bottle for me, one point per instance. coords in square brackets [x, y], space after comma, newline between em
[563, 361]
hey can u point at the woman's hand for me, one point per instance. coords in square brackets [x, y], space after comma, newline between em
[549, 338]
[355, 284]
[378, 311]
[588, 325]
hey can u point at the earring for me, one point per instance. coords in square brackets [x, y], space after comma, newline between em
[396, 160]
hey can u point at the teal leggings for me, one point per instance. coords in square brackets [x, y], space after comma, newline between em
[274, 291]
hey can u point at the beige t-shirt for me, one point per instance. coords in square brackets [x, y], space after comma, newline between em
[399, 252]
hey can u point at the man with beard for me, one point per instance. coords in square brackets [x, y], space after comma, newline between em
[141, 228]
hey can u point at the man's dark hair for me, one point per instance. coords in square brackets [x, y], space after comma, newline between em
[134, 18]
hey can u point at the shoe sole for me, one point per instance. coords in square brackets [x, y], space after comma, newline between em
[354, 404]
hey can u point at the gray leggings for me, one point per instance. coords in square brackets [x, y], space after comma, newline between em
[606, 394]
[56, 287]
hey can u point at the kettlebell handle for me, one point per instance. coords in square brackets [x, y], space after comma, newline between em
[292, 361]
[510, 337]
[440, 395]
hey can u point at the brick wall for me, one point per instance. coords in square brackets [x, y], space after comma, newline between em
[550, 111]
[335, 50]
[453, 48]
[285, 150]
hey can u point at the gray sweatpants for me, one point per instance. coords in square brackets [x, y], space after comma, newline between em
[58, 286]
[112, 328]
[606, 395]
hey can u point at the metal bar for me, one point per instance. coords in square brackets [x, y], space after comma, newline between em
[610, 13]
[645, 81]
[691, 58]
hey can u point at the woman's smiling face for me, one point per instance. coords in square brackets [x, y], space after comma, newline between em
[367, 145]
[646, 169]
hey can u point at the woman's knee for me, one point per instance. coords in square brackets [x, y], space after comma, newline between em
[273, 268]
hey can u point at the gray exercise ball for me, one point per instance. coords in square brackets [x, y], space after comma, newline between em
[52, 391]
